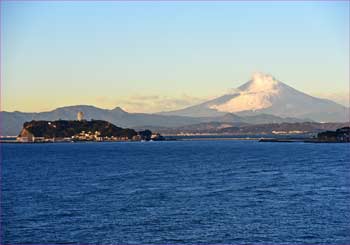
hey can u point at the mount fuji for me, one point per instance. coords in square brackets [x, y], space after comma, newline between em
[264, 94]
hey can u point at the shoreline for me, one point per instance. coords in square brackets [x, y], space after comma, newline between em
[258, 139]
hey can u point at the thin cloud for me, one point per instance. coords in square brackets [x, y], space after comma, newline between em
[149, 103]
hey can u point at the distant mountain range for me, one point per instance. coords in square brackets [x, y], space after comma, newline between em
[264, 94]
[262, 100]
[12, 122]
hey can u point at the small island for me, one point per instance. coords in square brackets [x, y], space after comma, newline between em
[81, 130]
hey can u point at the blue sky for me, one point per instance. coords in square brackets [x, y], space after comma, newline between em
[154, 56]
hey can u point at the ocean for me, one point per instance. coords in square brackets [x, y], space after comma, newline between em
[215, 191]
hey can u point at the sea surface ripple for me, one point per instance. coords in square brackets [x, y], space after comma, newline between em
[176, 192]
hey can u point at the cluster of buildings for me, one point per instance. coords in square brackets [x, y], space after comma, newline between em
[96, 136]
[289, 132]
[27, 137]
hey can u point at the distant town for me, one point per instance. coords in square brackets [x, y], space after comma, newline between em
[341, 135]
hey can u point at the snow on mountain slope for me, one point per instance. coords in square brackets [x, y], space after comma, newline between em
[265, 94]
[258, 94]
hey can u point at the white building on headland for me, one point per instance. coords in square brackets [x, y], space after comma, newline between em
[80, 116]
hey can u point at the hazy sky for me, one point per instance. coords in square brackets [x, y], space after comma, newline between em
[154, 56]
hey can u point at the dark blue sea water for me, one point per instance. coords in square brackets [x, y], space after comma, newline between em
[176, 192]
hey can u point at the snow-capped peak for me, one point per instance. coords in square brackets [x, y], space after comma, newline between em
[261, 82]
[256, 94]
[265, 94]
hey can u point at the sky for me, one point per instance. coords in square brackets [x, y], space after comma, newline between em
[150, 56]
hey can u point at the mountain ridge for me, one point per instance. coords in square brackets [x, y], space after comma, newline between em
[261, 100]
[12, 122]
[265, 94]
